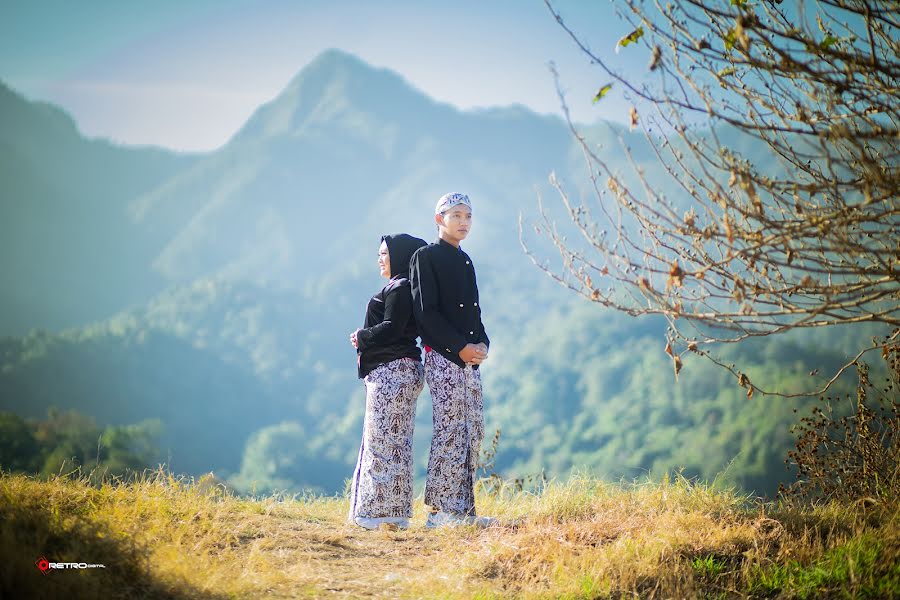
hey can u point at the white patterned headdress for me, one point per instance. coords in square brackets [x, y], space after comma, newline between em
[448, 201]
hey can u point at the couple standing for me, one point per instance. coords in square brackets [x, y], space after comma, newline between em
[431, 293]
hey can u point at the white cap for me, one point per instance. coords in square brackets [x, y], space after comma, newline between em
[448, 201]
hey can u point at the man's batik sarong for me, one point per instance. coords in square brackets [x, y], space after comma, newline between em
[458, 416]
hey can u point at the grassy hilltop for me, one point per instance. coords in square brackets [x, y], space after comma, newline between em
[162, 537]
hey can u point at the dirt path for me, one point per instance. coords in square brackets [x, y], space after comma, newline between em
[342, 561]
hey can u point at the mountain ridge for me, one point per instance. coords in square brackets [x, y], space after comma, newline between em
[217, 292]
[341, 131]
[64, 222]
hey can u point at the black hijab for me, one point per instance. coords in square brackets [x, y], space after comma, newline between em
[401, 247]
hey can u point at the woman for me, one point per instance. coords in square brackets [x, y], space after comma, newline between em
[390, 363]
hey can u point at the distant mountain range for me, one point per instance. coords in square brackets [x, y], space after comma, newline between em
[69, 251]
[91, 227]
[345, 153]
[216, 291]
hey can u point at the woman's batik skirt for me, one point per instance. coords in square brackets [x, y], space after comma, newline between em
[382, 481]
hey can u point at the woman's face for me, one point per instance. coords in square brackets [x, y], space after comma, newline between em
[384, 260]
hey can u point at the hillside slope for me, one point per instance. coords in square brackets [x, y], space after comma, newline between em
[167, 538]
[578, 388]
[216, 292]
[69, 251]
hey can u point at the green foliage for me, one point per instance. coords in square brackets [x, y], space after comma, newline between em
[68, 442]
[594, 390]
[279, 458]
[865, 564]
[130, 448]
[221, 364]
[19, 449]
[603, 91]
[730, 38]
[708, 567]
[631, 38]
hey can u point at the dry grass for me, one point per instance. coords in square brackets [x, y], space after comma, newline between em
[162, 537]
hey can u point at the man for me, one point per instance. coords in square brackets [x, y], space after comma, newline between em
[446, 306]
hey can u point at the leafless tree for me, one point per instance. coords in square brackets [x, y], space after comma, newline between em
[727, 249]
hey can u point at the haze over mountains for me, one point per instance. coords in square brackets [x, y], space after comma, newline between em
[342, 134]
[69, 252]
[216, 291]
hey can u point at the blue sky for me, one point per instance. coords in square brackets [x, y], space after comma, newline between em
[187, 75]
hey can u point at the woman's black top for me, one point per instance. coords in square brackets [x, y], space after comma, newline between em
[390, 331]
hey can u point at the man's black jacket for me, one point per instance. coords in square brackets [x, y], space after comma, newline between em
[445, 299]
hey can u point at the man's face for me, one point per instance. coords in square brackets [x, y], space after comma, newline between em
[456, 222]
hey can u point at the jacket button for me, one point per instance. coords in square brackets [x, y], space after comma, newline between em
[467, 262]
[476, 304]
[460, 305]
[471, 333]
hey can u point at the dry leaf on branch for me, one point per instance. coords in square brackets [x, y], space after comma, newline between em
[676, 276]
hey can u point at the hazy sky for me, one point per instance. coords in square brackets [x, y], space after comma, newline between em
[187, 74]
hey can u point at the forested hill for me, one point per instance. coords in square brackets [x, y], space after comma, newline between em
[216, 292]
[69, 252]
[248, 388]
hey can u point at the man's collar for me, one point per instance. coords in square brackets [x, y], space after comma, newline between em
[448, 244]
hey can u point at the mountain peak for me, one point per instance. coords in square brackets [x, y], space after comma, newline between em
[335, 57]
[334, 85]
[337, 67]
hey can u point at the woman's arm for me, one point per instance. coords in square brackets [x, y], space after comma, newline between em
[397, 312]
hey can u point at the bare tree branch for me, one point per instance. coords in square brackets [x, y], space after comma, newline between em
[727, 249]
